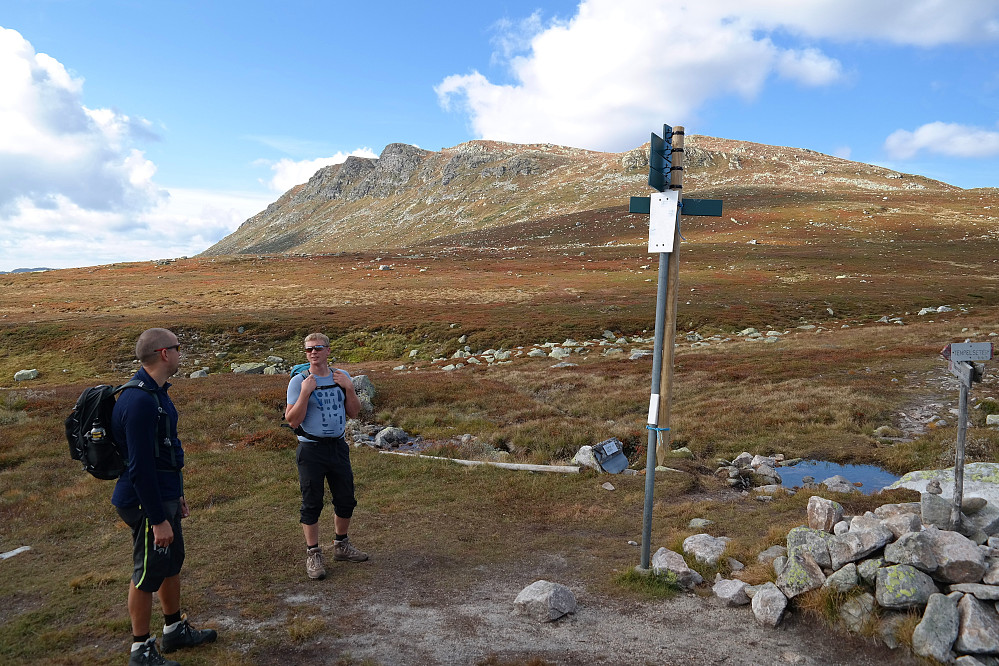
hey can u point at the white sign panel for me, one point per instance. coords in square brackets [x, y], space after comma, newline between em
[971, 351]
[662, 220]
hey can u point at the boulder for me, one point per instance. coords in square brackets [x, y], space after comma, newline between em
[545, 601]
[667, 560]
[959, 559]
[705, 548]
[935, 634]
[769, 604]
[844, 580]
[25, 375]
[903, 586]
[814, 541]
[979, 627]
[858, 612]
[248, 368]
[823, 514]
[903, 523]
[732, 592]
[915, 548]
[868, 570]
[771, 553]
[800, 574]
[978, 590]
[867, 534]
[391, 437]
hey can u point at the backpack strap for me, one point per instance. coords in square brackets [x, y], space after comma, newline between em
[161, 430]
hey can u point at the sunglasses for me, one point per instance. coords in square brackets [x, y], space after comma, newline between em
[316, 348]
[177, 347]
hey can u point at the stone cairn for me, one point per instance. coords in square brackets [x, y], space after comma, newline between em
[887, 564]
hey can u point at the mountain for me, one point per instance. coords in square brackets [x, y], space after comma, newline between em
[410, 197]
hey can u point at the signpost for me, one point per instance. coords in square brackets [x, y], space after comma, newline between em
[962, 357]
[664, 209]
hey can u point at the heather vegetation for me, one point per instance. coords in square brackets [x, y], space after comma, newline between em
[438, 530]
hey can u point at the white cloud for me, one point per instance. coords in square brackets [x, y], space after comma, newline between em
[75, 190]
[64, 234]
[618, 65]
[52, 147]
[288, 172]
[939, 138]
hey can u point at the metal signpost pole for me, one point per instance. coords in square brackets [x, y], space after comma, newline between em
[961, 356]
[664, 210]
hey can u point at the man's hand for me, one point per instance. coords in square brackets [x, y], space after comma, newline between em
[341, 379]
[309, 384]
[184, 511]
[163, 534]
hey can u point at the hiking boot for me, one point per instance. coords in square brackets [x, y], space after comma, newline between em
[344, 550]
[147, 655]
[185, 636]
[314, 563]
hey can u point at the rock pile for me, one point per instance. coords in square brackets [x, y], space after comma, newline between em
[748, 471]
[888, 563]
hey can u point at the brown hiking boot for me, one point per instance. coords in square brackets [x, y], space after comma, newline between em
[314, 563]
[344, 550]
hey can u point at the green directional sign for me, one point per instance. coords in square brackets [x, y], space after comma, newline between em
[661, 159]
[702, 207]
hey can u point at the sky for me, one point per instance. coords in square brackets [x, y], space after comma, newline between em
[134, 130]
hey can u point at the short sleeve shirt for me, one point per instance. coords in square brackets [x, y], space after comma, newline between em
[327, 412]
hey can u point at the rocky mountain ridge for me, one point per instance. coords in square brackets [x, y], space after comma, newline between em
[409, 196]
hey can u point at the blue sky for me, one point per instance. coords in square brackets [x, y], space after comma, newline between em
[145, 129]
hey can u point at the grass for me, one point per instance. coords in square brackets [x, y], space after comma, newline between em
[440, 529]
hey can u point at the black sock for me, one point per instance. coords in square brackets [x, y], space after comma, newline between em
[172, 618]
[340, 537]
[310, 547]
[140, 639]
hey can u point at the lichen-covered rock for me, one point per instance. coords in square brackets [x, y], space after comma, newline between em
[866, 536]
[800, 574]
[935, 634]
[843, 580]
[903, 586]
[858, 613]
[915, 548]
[813, 540]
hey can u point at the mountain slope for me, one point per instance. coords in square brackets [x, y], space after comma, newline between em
[409, 197]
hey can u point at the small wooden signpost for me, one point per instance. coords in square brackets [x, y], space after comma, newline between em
[664, 209]
[961, 357]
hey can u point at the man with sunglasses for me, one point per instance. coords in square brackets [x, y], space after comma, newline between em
[319, 403]
[149, 497]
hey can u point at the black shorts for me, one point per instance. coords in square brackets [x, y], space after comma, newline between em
[153, 564]
[329, 463]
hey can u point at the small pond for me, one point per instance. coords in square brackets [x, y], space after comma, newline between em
[873, 478]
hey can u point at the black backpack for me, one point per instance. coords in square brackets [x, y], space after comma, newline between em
[89, 433]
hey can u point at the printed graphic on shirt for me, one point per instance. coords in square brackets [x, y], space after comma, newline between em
[329, 401]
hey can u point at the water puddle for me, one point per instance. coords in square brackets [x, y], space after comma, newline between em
[873, 478]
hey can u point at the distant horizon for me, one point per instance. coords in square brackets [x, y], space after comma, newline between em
[118, 146]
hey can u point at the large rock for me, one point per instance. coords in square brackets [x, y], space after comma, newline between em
[823, 513]
[667, 560]
[959, 559]
[981, 479]
[867, 534]
[391, 437]
[800, 574]
[903, 523]
[903, 586]
[812, 540]
[769, 604]
[979, 627]
[935, 511]
[248, 368]
[936, 632]
[857, 613]
[979, 591]
[732, 592]
[25, 375]
[915, 548]
[705, 548]
[844, 580]
[545, 601]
